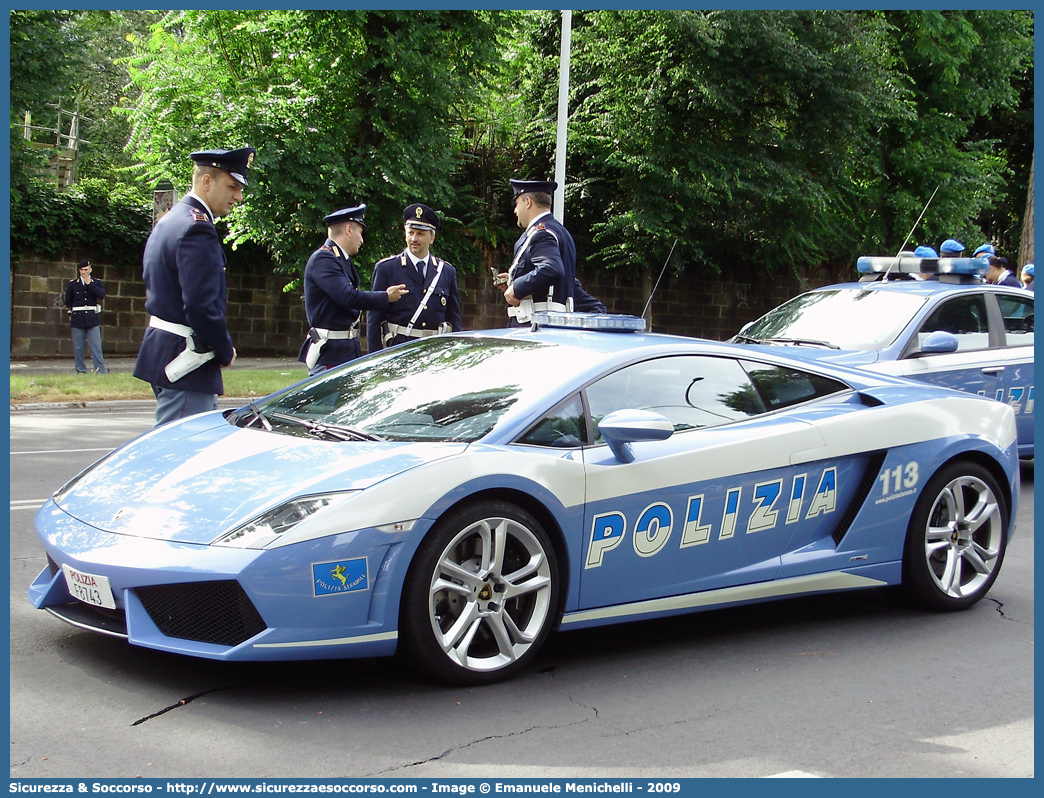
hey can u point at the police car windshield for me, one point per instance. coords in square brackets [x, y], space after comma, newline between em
[848, 318]
[438, 389]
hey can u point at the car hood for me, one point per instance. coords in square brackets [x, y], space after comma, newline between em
[196, 480]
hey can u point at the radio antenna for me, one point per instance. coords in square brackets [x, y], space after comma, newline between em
[910, 234]
[647, 304]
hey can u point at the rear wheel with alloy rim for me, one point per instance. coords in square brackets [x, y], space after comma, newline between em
[956, 539]
[481, 595]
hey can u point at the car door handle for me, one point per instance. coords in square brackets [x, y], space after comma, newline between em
[993, 371]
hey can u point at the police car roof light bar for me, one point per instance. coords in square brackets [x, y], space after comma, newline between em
[964, 268]
[601, 322]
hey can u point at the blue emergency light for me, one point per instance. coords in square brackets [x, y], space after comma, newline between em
[603, 322]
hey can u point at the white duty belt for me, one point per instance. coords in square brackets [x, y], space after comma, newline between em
[95, 308]
[316, 347]
[189, 360]
[409, 332]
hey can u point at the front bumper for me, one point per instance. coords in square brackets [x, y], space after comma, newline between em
[232, 604]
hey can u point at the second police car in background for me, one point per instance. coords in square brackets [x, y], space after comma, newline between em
[457, 498]
[949, 329]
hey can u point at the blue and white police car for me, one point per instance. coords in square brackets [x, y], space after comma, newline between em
[947, 328]
[455, 499]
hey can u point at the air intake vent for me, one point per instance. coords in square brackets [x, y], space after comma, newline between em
[873, 468]
[208, 612]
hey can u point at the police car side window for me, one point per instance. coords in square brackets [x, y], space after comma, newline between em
[780, 386]
[564, 427]
[690, 391]
[964, 317]
[1018, 319]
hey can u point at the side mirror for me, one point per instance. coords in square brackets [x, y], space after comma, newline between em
[621, 428]
[939, 342]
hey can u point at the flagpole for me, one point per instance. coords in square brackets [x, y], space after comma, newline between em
[563, 114]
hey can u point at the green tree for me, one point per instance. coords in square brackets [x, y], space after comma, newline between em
[74, 58]
[741, 134]
[762, 140]
[343, 107]
[964, 71]
[40, 72]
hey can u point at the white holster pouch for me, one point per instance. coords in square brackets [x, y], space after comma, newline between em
[319, 337]
[189, 360]
[527, 307]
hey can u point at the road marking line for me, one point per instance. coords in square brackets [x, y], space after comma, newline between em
[793, 774]
[64, 451]
[26, 504]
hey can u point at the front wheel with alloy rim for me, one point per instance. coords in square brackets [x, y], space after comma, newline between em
[956, 539]
[481, 595]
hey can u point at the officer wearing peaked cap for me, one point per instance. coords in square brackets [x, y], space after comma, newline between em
[187, 342]
[543, 265]
[83, 298]
[433, 303]
[333, 300]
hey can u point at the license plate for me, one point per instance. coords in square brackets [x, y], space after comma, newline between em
[89, 588]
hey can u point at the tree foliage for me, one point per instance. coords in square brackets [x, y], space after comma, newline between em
[964, 71]
[759, 140]
[109, 222]
[343, 107]
[74, 58]
[769, 139]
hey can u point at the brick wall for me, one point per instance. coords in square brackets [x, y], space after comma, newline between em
[265, 321]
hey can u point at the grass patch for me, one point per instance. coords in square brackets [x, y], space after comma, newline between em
[32, 388]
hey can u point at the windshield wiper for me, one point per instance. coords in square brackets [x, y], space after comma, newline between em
[802, 342]
[258, 416]
[746, 339]
[255, 414]
[321, 430]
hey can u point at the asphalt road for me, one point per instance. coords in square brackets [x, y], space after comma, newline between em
[847, 685]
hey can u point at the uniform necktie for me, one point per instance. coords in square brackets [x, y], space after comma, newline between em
[422, 267]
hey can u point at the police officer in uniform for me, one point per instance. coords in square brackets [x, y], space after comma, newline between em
[187, 342]
[999, 274]
[333, 301]
[543, 265]
[83, 298]
[433, 305]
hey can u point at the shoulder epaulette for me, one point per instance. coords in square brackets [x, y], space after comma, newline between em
[198, 215]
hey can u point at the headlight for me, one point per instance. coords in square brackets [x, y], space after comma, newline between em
[259, 532]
